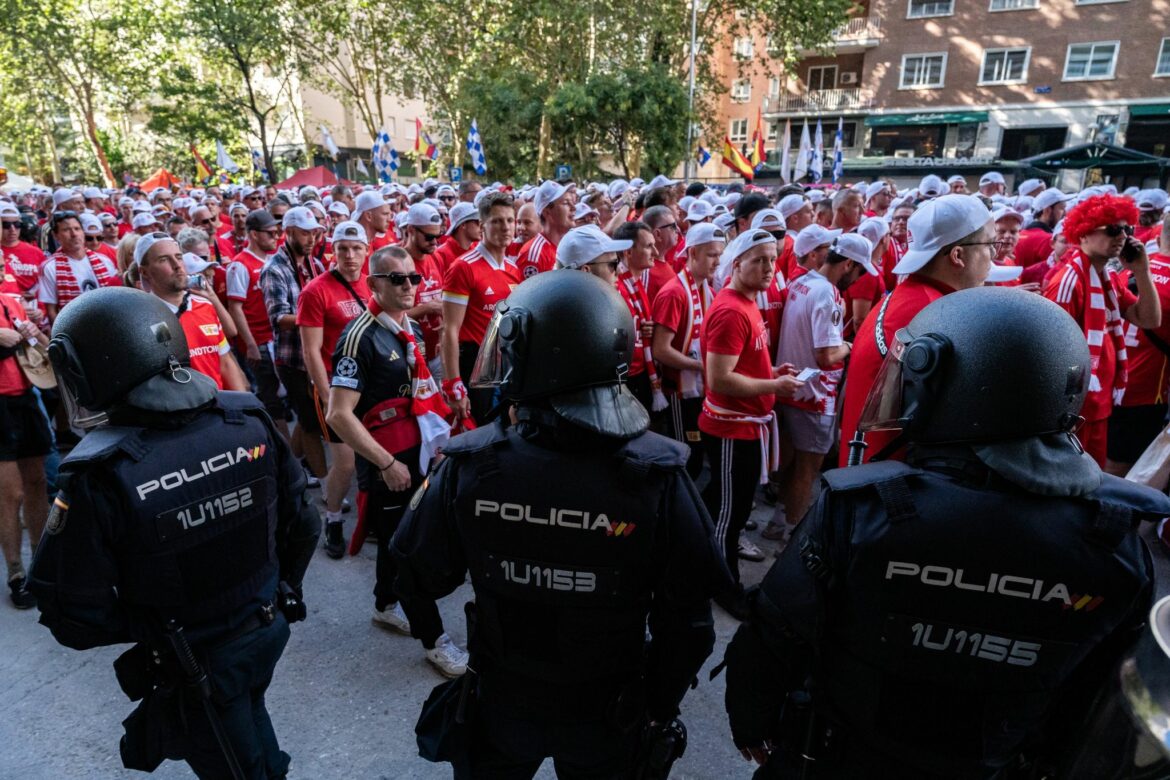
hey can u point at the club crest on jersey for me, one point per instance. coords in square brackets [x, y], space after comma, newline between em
[576, 519]
[183, 476]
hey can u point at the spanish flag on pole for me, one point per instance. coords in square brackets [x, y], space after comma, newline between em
[735, 161]
[202, 169]
[423, 147]
[758, 156]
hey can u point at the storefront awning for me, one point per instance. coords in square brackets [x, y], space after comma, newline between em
[1157, 109]
[1107, 157]
[927, 118]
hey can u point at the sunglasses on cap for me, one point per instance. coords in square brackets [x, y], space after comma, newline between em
[398, 279]
[60, 216]
[1113, 231]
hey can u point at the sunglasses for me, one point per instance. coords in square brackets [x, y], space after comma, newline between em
[272, 232]
[1113, 231]
[399, 279]
[613, 264]
[12, 225]
[93, 238]
[428, 237]
[204, 221]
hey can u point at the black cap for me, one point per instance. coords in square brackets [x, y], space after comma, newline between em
[260, 219]
[751, 203]
[696, 188]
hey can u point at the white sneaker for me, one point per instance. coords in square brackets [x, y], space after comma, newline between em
[391, 619]
[448, 657]
[749, 552]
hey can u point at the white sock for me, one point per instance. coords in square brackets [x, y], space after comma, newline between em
[332, 517]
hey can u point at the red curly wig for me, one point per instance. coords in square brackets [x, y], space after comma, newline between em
[1095, 212]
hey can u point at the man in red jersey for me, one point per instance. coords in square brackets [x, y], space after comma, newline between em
[462, 236]
[249, 312]
[1098, 229]
[373, 213]
[527, 226]
[91, 226]
[678, 311]
[73, 270]
[232, 241]
[899, 243]
[21, 260]
[638, 262]
[662, 221]
[164, 275]
[555, 212]
[1035, 242]
[877, 199]
[422, 228]
[740, 391]
[952, 246]
[1141, 415]
[1151, 204]
[798, 214]
[474, 284]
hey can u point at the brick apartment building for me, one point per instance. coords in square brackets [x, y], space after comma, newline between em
[963, 86]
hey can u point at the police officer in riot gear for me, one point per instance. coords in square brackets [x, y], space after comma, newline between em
[580, 529]
[180, 526]
[952, 616]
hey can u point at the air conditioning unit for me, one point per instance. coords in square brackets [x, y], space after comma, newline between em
[849, 78]
[904, 153]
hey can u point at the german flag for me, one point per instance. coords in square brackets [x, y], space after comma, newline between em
[735, 161]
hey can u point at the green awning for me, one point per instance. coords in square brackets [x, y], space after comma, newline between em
[927, 118]
[1157, 109]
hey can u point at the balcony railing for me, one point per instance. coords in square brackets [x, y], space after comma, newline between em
[820, 100]
[862, 27]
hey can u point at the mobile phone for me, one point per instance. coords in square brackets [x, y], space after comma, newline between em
[195, 282]
[807, 374]
[1129, 251]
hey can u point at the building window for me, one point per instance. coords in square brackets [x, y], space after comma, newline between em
[1090, 61]
[920, 9]
[923, 71]
[773, 47]
[739, 129]
[743, 48]
[907, 141]
[772, 131]
[741, 90]
[822, 77]
[1021, 142]
[1098, 2]
[1013, 5]
[1163, 66]
[1005, 66]
[773, 87]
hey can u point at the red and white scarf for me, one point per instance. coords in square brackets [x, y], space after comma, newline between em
[426, 402]
[768, 433]
[634, 294]
[1102, 319]
[691, 381]
[68, 287]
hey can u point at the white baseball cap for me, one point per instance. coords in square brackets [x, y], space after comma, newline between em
[194, 263]
[991, 177]
[704, 233]
[237, 207]
[661, 181]
[61, 195]
[741, 244]
[349, 231]
[816, 196]
[339, 208]
[548, 192]
[93, 192]
[684, 203]
[856, 248]
[1003, 212]
[938, 223]
[617, 188]
[1030, 187]
[8, 209]
[423, 215]
[367, 201]
[143, 219]
[768, 219]
[790, 204]
[460, 213]
[300, 217]
[875, 188]
[145, 243]
[813, 236]
[958, 177]
[931, 186]
[1049, 197]
[90, 225]
[874, 229]
[1152, 200]
[699, 211]
[724, 220]
[582, 245]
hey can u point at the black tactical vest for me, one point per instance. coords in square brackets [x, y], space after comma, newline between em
[953, 613]
[196, 537]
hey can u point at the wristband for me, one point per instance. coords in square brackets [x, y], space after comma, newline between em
[455, 389]
[393, 460]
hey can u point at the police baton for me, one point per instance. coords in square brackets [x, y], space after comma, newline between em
[196, 679]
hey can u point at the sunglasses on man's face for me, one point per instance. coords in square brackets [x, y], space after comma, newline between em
[1113, 231]
[11, 225]
[399, 279]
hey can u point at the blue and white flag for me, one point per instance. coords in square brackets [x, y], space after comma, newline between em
[704, 156]
[475, 150]
[838, 142]
[384, 155]
[258, 165]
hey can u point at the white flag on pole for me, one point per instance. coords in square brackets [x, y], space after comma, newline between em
[786, 153]
[327, 142]
[803, 154]
[222, 160]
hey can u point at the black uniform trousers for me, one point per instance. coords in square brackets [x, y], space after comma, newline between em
[482, 399]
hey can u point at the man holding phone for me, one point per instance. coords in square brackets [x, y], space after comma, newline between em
[1098, 229]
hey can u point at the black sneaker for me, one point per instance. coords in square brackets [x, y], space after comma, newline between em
[334, 540]
[21, 597]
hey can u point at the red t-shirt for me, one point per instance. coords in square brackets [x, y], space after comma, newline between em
[868, 288]
[205, 339]
[908, 298]
[890, 259]
[479, 283]
[325, 303]
[1064, 288]
[675, 257]
[243, 284]
[537, 256]
[123, 229]
[1034, 246]
[230, 246]
[786, 262]
[734, 327]
[383, 239]
[449, 252]
[106, 250]
[656, 278]
[431, 289]
[22, 267]
[1148, 234]
[12, 379]
[1148, 366]
[672, 310]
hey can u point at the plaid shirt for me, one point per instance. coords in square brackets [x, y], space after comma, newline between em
[281, 288]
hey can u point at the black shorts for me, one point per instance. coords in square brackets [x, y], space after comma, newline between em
[24, 430]
[300, 398]
[1131, 429]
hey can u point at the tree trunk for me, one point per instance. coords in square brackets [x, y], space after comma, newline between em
[99, 151]
[543, 149]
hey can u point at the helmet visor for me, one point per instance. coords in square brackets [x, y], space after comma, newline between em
[80, 418]
[489, 368]
[883, 405]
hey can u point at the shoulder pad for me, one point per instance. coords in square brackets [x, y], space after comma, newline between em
[652, 449]
[1140, 498]
[100, 444]
[855, 477]
[228, 399]
[473, 441]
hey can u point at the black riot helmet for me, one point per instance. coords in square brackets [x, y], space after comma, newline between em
[565, 337]
[118, 345]
[999, 369]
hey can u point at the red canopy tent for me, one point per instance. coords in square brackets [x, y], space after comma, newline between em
[318, 176]
[160, 178]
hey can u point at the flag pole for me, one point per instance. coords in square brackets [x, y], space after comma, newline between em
[687, 169]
